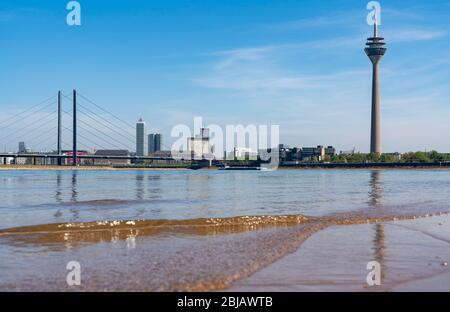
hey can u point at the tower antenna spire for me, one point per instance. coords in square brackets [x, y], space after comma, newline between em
[375, 27]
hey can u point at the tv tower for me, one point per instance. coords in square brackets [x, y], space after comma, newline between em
[375, 50]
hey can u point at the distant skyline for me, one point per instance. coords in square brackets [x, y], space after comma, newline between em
[298, 64]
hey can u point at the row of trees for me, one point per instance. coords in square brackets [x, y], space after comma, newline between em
[389, 158]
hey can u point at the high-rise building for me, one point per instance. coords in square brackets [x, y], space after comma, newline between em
[151, 143]
[158, 142]
[154, 142]
[22, 147]
[141, 138]
[375, 51]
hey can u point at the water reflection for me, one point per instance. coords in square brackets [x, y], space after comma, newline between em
[375, 197]
[58, 194]
[74, 187]
[74, 196]
[154, 187]
[101, 195]
[192, 185]
[375, 189]
[139, 186]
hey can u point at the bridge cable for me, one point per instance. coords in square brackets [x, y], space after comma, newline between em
[104, 110]
[27, 116]
[112, 129]
[14, 135]
[103, 118]
[27, 110]
[102, 139]
[83, 137]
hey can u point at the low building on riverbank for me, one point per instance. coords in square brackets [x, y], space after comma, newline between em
[299, 154]
[6, 160]
[112, 162]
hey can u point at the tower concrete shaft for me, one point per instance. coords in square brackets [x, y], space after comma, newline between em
[375, 129]
[375, 51]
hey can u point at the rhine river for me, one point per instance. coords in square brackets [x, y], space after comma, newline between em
[212, 230]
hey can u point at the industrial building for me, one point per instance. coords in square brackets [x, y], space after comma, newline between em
[243, 153]
[199, 145]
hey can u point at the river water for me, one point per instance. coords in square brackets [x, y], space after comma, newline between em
[187, 230]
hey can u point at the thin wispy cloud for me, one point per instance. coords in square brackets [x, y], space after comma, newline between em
[344, 20]
[402, 14]
[251, 54]
[248, 78]
[341, 19]
[413, 35]
[231, 57]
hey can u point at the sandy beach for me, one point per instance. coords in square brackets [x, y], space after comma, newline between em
[241, 254]
[412, 254]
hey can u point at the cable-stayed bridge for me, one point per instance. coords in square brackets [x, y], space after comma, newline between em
[68, 128]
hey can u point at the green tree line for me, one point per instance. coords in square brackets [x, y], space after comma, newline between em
[410, 157]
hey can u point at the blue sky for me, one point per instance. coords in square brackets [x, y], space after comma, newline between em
[298, 64]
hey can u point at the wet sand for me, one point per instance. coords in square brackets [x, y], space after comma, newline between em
[271, 253]
[411, 254]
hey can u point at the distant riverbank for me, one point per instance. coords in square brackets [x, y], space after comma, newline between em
[87, 168]
[305, 166]
[396, 165]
